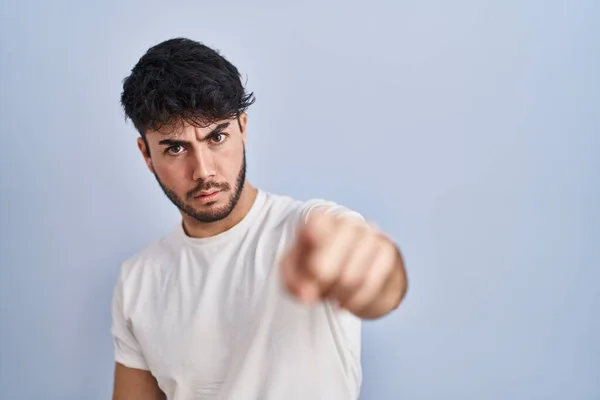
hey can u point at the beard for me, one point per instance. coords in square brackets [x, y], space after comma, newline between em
[212, 214]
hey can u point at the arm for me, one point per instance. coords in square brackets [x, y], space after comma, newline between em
[135, 384]
[132, 377]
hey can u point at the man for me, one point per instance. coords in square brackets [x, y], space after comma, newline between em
[253, 295]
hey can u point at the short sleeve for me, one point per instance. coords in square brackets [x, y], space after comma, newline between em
[329, 207]
[126, 348]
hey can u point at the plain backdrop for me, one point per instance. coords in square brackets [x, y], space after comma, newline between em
[468, 130]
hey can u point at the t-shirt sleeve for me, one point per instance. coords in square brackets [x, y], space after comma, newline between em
[127, 350]
[329, 207]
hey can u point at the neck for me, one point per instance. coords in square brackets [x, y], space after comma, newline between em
[196, 229]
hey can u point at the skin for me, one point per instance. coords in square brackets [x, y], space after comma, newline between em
[190, 160]
[337, 259]
[135, 384]
[348, 262]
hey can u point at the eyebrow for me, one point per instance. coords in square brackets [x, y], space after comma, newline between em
[176, 142]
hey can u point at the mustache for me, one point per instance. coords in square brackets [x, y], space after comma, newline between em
[224, 186]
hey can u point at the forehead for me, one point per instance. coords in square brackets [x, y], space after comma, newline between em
[186, 130]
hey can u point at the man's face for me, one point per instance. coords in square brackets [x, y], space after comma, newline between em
[201, 170]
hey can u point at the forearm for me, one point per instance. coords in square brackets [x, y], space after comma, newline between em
[135, 384]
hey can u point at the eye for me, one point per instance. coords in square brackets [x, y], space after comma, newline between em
[218, 138]
[175, 150]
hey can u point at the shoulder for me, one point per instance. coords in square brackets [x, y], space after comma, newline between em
[153, 260]
[298, 210]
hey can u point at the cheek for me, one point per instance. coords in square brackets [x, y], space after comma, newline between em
[229, 162]
[171, 174]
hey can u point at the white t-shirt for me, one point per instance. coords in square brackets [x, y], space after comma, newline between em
[211, 319]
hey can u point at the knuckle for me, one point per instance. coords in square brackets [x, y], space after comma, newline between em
[390, 250]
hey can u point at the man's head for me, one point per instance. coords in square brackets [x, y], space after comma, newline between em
[188, 104]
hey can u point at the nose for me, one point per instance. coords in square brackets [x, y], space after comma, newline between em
[204, 166]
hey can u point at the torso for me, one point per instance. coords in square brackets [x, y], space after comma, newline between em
[213, 321]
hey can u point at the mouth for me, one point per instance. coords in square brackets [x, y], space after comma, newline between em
[207, 197]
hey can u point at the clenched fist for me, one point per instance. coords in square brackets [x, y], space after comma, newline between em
[347, 261]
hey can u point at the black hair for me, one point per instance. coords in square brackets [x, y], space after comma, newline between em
[181, 80]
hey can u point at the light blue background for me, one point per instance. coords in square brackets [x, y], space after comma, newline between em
[469, 130]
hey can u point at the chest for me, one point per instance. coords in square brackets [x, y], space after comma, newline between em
[199, 315]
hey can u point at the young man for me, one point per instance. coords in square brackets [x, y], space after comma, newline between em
[253, 295]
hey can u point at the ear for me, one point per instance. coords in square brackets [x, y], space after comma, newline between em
[145, 153]
[243, 121]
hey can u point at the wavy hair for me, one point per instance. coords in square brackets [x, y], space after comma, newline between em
[181, 80]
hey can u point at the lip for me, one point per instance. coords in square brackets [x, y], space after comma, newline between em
[208, 197]
[201, 194]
